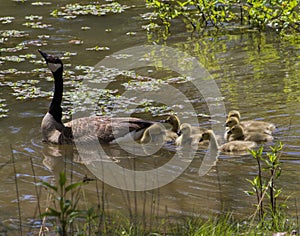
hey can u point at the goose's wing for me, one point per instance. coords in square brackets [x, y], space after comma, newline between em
[106, 129]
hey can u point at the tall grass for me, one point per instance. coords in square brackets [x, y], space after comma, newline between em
[67, 210]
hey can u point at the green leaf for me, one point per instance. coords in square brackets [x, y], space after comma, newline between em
[54, 188]
[74, 185]
[62, 179]
[250, 193]
[278, 192]
[51, 212]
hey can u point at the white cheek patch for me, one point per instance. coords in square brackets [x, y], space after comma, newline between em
[54, 67]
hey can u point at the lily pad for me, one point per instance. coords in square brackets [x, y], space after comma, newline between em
[3, 109]
[131, 33]
[70, 11]
[76, 41]
[27, 89]
[12, 58]
[36, 25]
[13, 33]
[33, 17]
[44, 36]
[6, 19]
[98, 48]
[19, 47]
[40, 3]
[37, 43]
[150, 85]
[85, 28]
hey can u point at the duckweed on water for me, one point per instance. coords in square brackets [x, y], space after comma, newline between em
[12, 59]
[85, 28]
[151, 85]
[98, 48]
[131, 33]
[6, 19]
[40, 3]
[76, 41]
[71, 11]
[36, 25]
[27, 90]
[43, 36]
[33, 17]
[13, 33]
[37, 43]
[19, 47]
[3, 109]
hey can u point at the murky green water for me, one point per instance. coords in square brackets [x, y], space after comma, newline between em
[256, 74]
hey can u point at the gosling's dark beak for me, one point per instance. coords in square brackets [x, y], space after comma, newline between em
[179, 132]
[44, 55]
[201, 140]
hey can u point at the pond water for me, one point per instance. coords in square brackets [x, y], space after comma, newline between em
[256, 74]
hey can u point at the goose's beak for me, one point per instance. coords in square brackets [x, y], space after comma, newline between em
[44, 55]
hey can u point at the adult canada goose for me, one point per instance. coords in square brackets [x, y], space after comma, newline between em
[154, 134]
[251, 124]
[233, 146]
[237, 133]
[105, 129]
[187, 137]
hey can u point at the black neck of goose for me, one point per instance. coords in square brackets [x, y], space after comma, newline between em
[55, 107]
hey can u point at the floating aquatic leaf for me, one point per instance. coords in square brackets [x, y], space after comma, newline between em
[85, 28]
[28, 56]
[19, 47]
[13, 33]
[44, 36]
[3, 109]
[36, 25]
[33, 17]
[37, 43]
[76, 41]
[86, 69]
[144, 84]
[149, 16]
[40, 3]
[121, 56]
[68, 54]
[12, 58]
[70, 11]
[98, 48]
[131, 33]
[6, 19]
[8, 71]
[26, 89]
[151, 26]
[179, 79]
